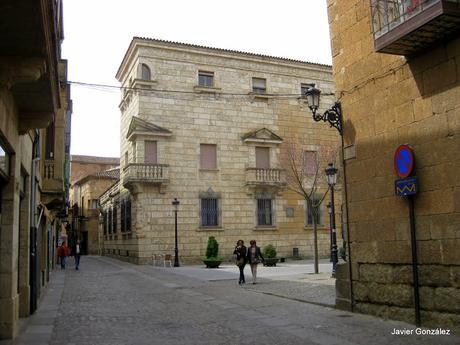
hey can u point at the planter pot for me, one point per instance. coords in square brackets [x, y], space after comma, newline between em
[270, 261]
[212, 263]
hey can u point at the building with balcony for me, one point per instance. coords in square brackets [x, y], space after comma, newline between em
[209, 126]
[395, 66]
[33, 94]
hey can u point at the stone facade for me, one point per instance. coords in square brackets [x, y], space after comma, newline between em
[227, 115]
[82, 166]
[34, 97]
[86, 210]
[388, 100]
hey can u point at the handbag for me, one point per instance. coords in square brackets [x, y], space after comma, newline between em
[240, 262]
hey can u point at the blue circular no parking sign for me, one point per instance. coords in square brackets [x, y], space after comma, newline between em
[403, 161]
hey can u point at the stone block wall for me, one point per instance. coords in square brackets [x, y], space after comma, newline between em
[388, 100]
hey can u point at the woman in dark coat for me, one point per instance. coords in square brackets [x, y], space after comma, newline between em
[254, 257]
[241, 253]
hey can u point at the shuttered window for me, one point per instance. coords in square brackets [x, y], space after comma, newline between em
[209, 212]
[264, 212]
[310, 162]
[150, 152]
[208, 156]
[262, 157]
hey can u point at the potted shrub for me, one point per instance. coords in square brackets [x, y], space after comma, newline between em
[269, 253]
[212, 259]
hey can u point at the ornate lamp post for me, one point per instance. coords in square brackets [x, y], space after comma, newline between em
[175, 204]
[331, 176]
[332, 115]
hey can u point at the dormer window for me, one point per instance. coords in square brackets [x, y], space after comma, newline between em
[145, 71]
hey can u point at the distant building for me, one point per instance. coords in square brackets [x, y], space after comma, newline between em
[209, 126]
[86, 210]
[396, 68]
[35, 119]
[81, 166]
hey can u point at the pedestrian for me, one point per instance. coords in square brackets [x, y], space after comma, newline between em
[76, 254]
[240, 251]
[254, 257]
[63, 252]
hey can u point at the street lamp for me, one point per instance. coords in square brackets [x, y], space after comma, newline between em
[175, 204]
[332, 115]
[329, 210]
[331, 176]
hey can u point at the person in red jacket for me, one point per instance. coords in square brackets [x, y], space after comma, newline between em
[63, 252]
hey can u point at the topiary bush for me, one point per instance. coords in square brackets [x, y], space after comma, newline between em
[269, 251]
[212, 250]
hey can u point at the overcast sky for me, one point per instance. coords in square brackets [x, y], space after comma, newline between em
[98, 32]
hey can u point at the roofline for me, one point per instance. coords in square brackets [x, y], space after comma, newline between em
[137, 39]
[90, 159]
[89, 177]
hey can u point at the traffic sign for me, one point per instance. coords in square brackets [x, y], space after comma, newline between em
[406, 186]
[403, 161]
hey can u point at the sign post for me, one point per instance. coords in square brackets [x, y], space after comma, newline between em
[408, 186]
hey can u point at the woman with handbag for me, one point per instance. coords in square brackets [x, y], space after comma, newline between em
[241, 253]
[254, 257]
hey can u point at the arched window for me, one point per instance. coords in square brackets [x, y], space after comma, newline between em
[145, 72]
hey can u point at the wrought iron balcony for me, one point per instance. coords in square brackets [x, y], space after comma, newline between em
[145, 173]
[265, 177]
[405, 27]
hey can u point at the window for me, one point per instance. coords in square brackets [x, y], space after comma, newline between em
[264, 212]
[49, 149]
[4, 161]
[263, 157]
[305, 87]
[126, 158]
[310, 162]
[150, 152]
[94, 204]
[208, 156]
[128, 215]
[259, 85]
[123, 216]
[145, 70]
[309, 213]
[209, 212]
[105, 223]
[115, 216]
[110, 220]
[205, 79]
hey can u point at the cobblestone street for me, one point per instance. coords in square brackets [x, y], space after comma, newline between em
[109, 302]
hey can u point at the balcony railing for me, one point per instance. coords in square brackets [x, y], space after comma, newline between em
[48, 170]
[405, 27]
[265, 177]
[146, 173]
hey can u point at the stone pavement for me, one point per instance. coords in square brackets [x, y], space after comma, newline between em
[116, 303]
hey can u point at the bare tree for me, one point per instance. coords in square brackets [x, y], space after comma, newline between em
[305, 175]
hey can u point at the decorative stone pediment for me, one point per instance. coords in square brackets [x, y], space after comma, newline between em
[262, 136]
[139, 127]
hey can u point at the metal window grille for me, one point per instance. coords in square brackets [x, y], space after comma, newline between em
[264, 212]
[209, 212]
[105, 222]
[115, 216]
[309, 214]
[123, 216]
[128, 215]
[206, 79]
[110, 221]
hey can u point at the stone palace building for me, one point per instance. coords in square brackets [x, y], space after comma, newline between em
[210, 127]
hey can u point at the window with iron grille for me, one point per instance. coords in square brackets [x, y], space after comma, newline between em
[264, 212]
[110, 221]
[205, 79]
[105, 222]
[304, 88]
[259, 85]
[123, 216]
[128, 214]
[115, 215]
[309, 214]
[209, 212]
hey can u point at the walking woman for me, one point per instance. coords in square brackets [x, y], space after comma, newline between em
[240, 251]
[254, 257]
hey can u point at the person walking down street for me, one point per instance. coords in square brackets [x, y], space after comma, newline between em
[254, 257]
[241, 253]
[63, 252]
[76, 254]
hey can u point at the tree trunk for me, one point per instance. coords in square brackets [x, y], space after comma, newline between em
[315, 243]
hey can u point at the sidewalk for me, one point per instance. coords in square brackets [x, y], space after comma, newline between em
[38, 328]
[292, 279]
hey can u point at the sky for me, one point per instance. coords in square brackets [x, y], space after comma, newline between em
[97, 34]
